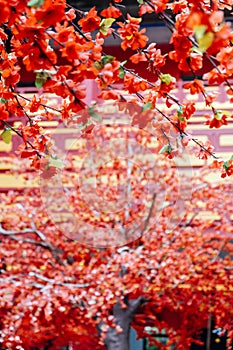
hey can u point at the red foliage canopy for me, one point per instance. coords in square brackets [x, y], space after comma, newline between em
[62, 271]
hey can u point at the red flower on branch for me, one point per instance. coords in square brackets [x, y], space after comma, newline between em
[35, 104]
[182, 46]
[5, 12]
[205, 150]
[133, 84]
[47, 170]
[27, 153]
[91, 21]
[138, 57]
[109, 95]
[111, 12]
[155, 58]
[50, 13]
[215, 76]
[156, 6]
[178, 6]
[228, 168]
[64, 34]
[188, 109]
[132, 37]
[196, 86]
[4, 114]
[217, 120]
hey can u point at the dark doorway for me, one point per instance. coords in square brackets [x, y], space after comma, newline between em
[218, 340]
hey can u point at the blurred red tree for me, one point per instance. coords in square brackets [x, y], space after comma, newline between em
[63, 276]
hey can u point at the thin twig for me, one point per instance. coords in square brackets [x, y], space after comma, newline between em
[146, 223]
[53, 282]
[12, 234]
[19, 134]
[41, 104]
[183, 133]
[208, 339]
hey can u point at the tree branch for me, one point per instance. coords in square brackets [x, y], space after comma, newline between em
[146, 223]
[63, 284]
[43, 243]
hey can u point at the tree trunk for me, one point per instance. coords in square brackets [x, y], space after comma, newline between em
[123, 318]
[115, 341]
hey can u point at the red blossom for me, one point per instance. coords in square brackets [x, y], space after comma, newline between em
[47, 170]
[188, 109]
[50, 268]
[205, 150]
[133, 84]
[91, 21]
[130, 34]
[155, 57]
[217, 120]
[227, 168]
[4, 114]
[195, 86]
[5, 12]
[154, 6]
[109, 95]
[215, 76]
[50, 13]
[111, 12]
[138, 57]
[178, 6]
[27, 153]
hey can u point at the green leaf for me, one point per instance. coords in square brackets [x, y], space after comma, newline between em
[45, 71]
[218, 115]
[166, 78]
[180, 112]
[35, 3]
[97, 65]
[3, 100]
[96, 116]
[121, 73]
[57, 163]
[227, 113]
[204, 39]
[41, 78]
[107, 59]
[129, 37]
[147, 106]
[105, 24]
[200, 31]
[226, 165]
[195, 49]
[6, 135]
[141, 2]
[123, 63]
[138, 19]
[121, 70]
[83, 126]
[166, 149]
